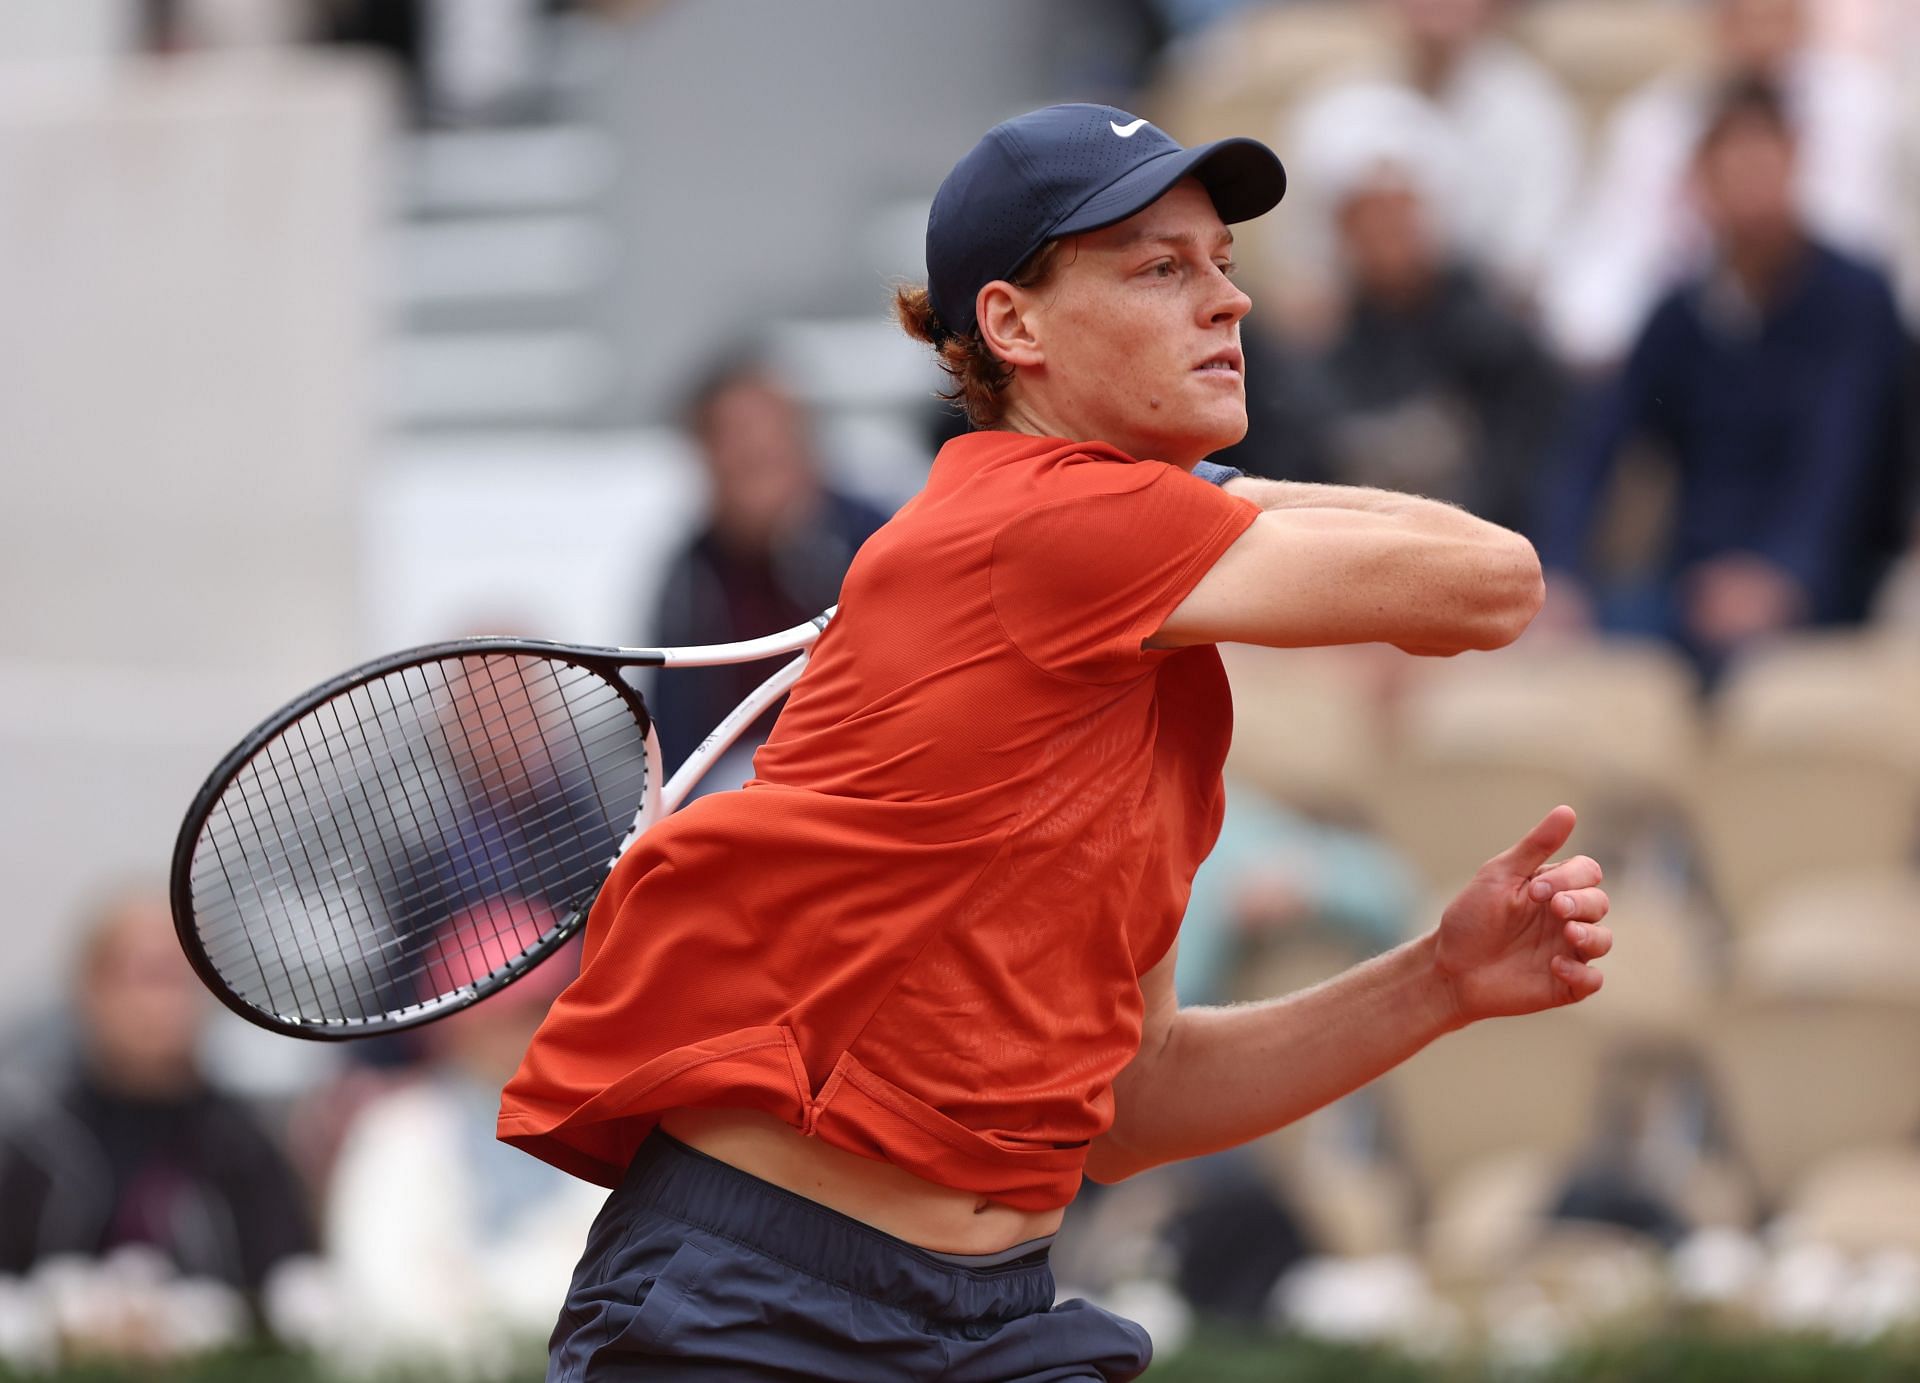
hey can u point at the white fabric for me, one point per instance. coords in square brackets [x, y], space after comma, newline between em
[419, 1273]
[1358, 132]
[1523, 144]
[1496, 154]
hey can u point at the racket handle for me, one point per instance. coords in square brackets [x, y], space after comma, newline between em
[727, 732]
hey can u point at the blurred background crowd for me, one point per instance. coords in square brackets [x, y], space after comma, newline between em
[337, 325]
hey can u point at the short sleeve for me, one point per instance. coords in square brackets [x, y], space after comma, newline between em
[1081, 581]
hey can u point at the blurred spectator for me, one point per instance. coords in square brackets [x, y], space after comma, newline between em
[1656, 1132]
[463, 61]
[770, 553]
[1233, 1235]
[1516, 129]
[1184, 18]
[1282, 901]
[1434, 386]
[1274, 871]
[1637, 232]
[396, 29]
[165, 27]
[1288, 412]
[447, 1245]
[131, 1146]
[1774, 380]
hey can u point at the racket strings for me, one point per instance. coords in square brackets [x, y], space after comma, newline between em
[623, 784]
[416, 835]
[493, 869]
[401, 942]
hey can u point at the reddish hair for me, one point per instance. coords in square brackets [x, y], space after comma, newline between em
[979, 377]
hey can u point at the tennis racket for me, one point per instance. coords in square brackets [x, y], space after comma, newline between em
[420, 832]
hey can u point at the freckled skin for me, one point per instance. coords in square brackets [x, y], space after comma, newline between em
[1107, 347]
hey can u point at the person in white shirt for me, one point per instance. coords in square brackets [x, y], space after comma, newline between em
[448, 1248]
[1513, 121]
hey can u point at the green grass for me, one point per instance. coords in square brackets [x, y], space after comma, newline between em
[1223, 1356]
[1703, 1356]
[1227, 1357]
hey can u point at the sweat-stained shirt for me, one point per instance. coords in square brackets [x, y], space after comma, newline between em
[918, 932]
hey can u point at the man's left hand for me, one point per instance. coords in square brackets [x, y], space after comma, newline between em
[1523, 935]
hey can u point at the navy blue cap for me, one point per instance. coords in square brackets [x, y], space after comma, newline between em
[1067, 169]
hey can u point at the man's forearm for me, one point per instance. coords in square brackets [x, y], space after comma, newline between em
[1297, 494]
[1227, 1075]
[1429, 520]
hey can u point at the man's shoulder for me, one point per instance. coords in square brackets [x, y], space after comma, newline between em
[1015, 472]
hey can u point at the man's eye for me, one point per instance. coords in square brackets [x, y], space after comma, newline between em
[1163, 269]
[1228, 267]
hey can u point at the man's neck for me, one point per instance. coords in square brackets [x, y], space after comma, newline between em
[1035, 418]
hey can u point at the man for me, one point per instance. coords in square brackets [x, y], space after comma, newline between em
[848, 1040]
[1774, 381]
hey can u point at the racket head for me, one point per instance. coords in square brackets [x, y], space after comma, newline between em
[412, 836]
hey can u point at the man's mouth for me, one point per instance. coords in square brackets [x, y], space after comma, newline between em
[1224, 362]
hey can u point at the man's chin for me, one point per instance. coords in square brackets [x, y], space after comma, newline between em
[1221, 430]
[1195, 434]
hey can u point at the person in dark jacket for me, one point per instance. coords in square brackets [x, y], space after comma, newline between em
[775, 542]
[132, 1145]
[1438, 387]
[1428, 382]
[1772, 380]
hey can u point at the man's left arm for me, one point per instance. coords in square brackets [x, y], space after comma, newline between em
[1520, 938]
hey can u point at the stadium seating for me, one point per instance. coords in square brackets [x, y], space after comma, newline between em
[1801, 1079]
[1660, 976]
[1247, 73]
[1862, 1200]
[1309, 734]
[1814, 767]
[1531, 1088]
[1487, 745]
[1604, 49]
[1849, 936]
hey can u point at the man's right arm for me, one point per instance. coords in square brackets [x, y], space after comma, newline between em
[1298, 494]
[1332, 564]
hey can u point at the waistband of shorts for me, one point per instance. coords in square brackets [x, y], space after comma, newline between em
[669, 1178]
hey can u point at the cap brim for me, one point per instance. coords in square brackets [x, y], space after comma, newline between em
[1243, 176]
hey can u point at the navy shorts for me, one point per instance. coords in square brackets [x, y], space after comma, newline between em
[695, 1270]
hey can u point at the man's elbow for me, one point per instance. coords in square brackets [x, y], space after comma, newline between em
[1108, 1162]
[1512, 595]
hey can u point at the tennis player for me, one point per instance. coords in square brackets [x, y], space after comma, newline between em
[846, 1042]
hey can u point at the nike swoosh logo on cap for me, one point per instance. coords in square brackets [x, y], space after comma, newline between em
[1127, 131]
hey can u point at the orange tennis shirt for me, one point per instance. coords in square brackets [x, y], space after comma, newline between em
[919, 932]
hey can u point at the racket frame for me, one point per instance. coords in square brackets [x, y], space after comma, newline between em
[606, 663]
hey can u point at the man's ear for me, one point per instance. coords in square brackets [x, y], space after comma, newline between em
[1006, 315]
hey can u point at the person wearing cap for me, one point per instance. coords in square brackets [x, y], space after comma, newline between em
[846, 1042]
